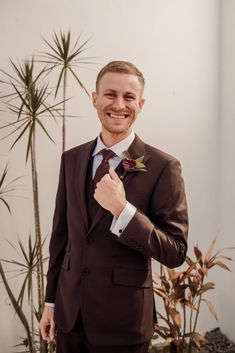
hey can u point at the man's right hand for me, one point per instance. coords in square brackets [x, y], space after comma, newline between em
[47, 324]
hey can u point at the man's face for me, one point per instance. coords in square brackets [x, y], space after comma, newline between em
[118, 102]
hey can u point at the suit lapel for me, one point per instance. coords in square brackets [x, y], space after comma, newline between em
[136, 150]
[81, 170]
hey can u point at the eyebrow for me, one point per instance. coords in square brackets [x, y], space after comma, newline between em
[110, 90]
[114, 91]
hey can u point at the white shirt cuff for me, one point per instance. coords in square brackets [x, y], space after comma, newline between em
[51, 305]
[119, 224]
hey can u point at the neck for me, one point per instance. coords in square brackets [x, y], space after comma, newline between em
[111, 139]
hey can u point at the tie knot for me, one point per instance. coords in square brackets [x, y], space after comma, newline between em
[107, 154]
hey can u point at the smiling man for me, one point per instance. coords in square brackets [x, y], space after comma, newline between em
[118, 100]
[113, 213]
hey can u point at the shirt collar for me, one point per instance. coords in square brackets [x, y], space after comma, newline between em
[118, 148]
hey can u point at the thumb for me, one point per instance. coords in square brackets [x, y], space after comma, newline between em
[113, 174]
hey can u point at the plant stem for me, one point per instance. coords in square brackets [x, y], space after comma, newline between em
[40, 279]
[64, 110]
[32, 309]
[184, 329]
[18, 311]
[195, 323]
[196, 317]
[190, 328]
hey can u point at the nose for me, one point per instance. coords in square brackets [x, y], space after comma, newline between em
[119, 103]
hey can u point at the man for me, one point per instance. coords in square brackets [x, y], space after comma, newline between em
[106, 228]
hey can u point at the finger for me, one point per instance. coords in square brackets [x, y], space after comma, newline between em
[113, 174]
[44, 333]
[44, 330]
[52, 330]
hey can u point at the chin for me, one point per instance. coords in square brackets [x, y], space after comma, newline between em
[119, 132]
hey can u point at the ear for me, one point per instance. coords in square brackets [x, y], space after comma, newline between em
[141, 103]
[94, 98]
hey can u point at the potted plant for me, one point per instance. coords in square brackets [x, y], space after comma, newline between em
[182, 293]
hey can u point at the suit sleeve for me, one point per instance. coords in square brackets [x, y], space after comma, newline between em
[59, 237]
[162, 232]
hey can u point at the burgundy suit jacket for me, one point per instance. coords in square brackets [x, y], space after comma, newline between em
[107, 277]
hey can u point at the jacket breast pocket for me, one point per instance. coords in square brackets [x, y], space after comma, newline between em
[132, 277]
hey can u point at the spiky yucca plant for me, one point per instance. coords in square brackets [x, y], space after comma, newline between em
[67, 57]
[26, 266]
[7, 189]
[27, 98]
[19, 311]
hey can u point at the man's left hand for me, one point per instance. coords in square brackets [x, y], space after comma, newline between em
[110, 193]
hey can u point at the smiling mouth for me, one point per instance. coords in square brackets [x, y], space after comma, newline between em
[119, 117]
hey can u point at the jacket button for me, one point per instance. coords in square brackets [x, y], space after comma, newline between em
[86, 271]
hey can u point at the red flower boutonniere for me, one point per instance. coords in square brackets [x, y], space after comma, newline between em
[132, 165]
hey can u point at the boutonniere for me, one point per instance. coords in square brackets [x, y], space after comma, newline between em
[131, 165]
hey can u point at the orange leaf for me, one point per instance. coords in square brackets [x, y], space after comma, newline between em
[211, 308]
[191, 268]
[203, 270]
[160, 292]
[197, 252]
[198, 339]
[221, 264]
[206, 286]
[174, 275]
[209, 251]
[224, 257]
[175, 315]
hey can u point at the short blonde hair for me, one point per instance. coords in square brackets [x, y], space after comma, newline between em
[123, 67]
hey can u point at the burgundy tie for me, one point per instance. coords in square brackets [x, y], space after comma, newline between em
[104, 166]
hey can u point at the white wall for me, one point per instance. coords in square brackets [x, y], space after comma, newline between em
[176, 44]
[227, 160]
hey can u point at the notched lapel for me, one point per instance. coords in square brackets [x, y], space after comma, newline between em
[81, 170]
[98, 216]
[136, 150]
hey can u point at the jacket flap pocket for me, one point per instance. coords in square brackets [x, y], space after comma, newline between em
[132, 277]
[66, 263]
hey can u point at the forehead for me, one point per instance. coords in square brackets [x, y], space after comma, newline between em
[120, 82]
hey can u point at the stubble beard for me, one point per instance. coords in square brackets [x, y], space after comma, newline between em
[115, 130]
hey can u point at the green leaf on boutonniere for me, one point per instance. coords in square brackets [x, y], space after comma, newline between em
[126, 155]
[140, 159]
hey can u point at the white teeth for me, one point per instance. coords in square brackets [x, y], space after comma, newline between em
[114, 116]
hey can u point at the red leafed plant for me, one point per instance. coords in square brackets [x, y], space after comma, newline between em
[182, 294]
